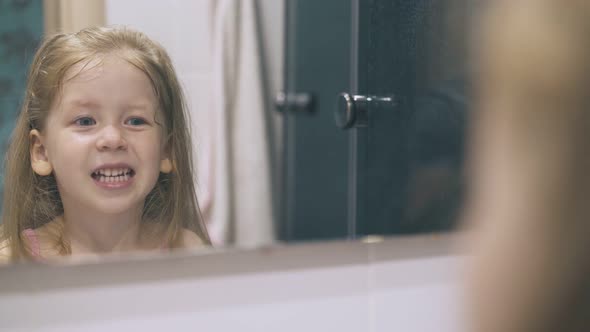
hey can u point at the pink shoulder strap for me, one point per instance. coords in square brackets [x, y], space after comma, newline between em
[33, 242]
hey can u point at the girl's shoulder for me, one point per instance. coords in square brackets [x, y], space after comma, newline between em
[191, 240]
[5, 252]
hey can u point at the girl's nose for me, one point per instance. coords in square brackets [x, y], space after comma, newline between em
[111, 138]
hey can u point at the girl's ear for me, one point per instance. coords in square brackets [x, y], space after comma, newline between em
[166, 165]
[39, 162]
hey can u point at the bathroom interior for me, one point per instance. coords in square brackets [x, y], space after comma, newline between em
[332, 142]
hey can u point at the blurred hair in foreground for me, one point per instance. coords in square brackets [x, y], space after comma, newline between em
[528, 205]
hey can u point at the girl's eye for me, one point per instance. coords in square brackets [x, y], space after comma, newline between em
[85, 121]
[136, 122]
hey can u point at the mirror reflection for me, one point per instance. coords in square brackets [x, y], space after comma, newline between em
[120, 131]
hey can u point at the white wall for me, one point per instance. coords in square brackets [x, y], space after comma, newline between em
[409, 285]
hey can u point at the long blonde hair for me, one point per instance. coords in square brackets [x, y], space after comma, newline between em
[31, 201]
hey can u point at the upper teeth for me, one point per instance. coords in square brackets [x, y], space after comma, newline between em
[113, 171]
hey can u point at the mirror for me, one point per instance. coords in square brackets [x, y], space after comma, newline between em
[268, 176]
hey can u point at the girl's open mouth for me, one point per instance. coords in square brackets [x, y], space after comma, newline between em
[113, 177]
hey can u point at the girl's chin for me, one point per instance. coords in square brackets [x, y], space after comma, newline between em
[112, 208]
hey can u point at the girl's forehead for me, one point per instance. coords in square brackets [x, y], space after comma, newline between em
[85, 70]
[100, 65]
[109, 77]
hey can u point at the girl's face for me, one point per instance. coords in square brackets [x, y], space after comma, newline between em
[102, 139]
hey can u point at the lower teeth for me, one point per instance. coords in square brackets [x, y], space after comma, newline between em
[113, 178]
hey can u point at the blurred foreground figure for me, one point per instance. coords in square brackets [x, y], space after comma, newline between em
[529, 201]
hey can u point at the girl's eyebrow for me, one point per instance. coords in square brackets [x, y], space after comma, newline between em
[141, 106]
[82, 103]
[88, 103]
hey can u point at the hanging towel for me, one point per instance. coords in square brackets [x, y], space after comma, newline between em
[240, 209]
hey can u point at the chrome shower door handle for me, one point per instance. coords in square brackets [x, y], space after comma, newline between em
[302, 102]
[352, 110]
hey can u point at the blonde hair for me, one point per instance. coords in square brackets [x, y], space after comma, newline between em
[31, 201]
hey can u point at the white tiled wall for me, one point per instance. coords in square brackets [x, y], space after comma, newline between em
[183, 27]
[337, 298]
[423, 298]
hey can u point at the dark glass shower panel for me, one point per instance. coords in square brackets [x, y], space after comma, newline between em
[411, 180]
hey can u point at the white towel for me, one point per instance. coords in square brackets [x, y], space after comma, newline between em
[240, 209]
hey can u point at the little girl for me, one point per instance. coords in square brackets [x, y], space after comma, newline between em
[100, 159]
